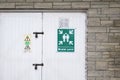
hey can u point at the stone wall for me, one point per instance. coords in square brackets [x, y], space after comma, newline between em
[103, 31]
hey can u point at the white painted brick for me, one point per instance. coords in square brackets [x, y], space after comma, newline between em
[7, 5]
[109, 44]
[43, 5]
[112, 11]
[115, 30]
[92, 11]
[91, 78]
[96, 29]
[108, 0]
[80, 5]
[53, 0]
[101, 65]
[91, 48]
[99, 3]
[34, 0]
[105, 48]
[15, 1]
[96, 73]
[115, 78]
[73, 0]
[114, 4]
[103, 78]
[101, 37]
[90, 0]
[61, 5]
[20, 4]
[91, 37]
[117, 23]
[99, 6]
[106, 23]
[91, 65]
[24, 5]
[2, 0]
[93, 22]
[108, 73]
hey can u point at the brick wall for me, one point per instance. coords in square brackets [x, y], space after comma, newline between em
[103, 39]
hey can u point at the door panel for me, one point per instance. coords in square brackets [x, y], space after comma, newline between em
[63, 65]
[15, 64]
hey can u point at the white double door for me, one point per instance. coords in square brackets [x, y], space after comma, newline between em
[16, 64]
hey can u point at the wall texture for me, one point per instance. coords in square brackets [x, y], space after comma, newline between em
[103, 35]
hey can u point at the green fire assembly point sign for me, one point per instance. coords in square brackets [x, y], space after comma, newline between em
[65, 42]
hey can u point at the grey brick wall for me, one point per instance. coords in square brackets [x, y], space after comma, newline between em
[103, 36]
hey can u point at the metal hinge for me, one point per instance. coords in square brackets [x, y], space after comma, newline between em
[36, 34]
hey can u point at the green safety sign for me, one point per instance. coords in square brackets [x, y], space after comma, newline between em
[27, 43]
[65, 42]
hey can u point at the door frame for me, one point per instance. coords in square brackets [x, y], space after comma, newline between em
[43, 10]
[7, 10]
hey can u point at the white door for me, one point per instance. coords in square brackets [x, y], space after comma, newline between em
[61, 48]
[63, 62]
[16, 63]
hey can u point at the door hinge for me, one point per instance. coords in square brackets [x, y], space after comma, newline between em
[35, 65]
[36, 34]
